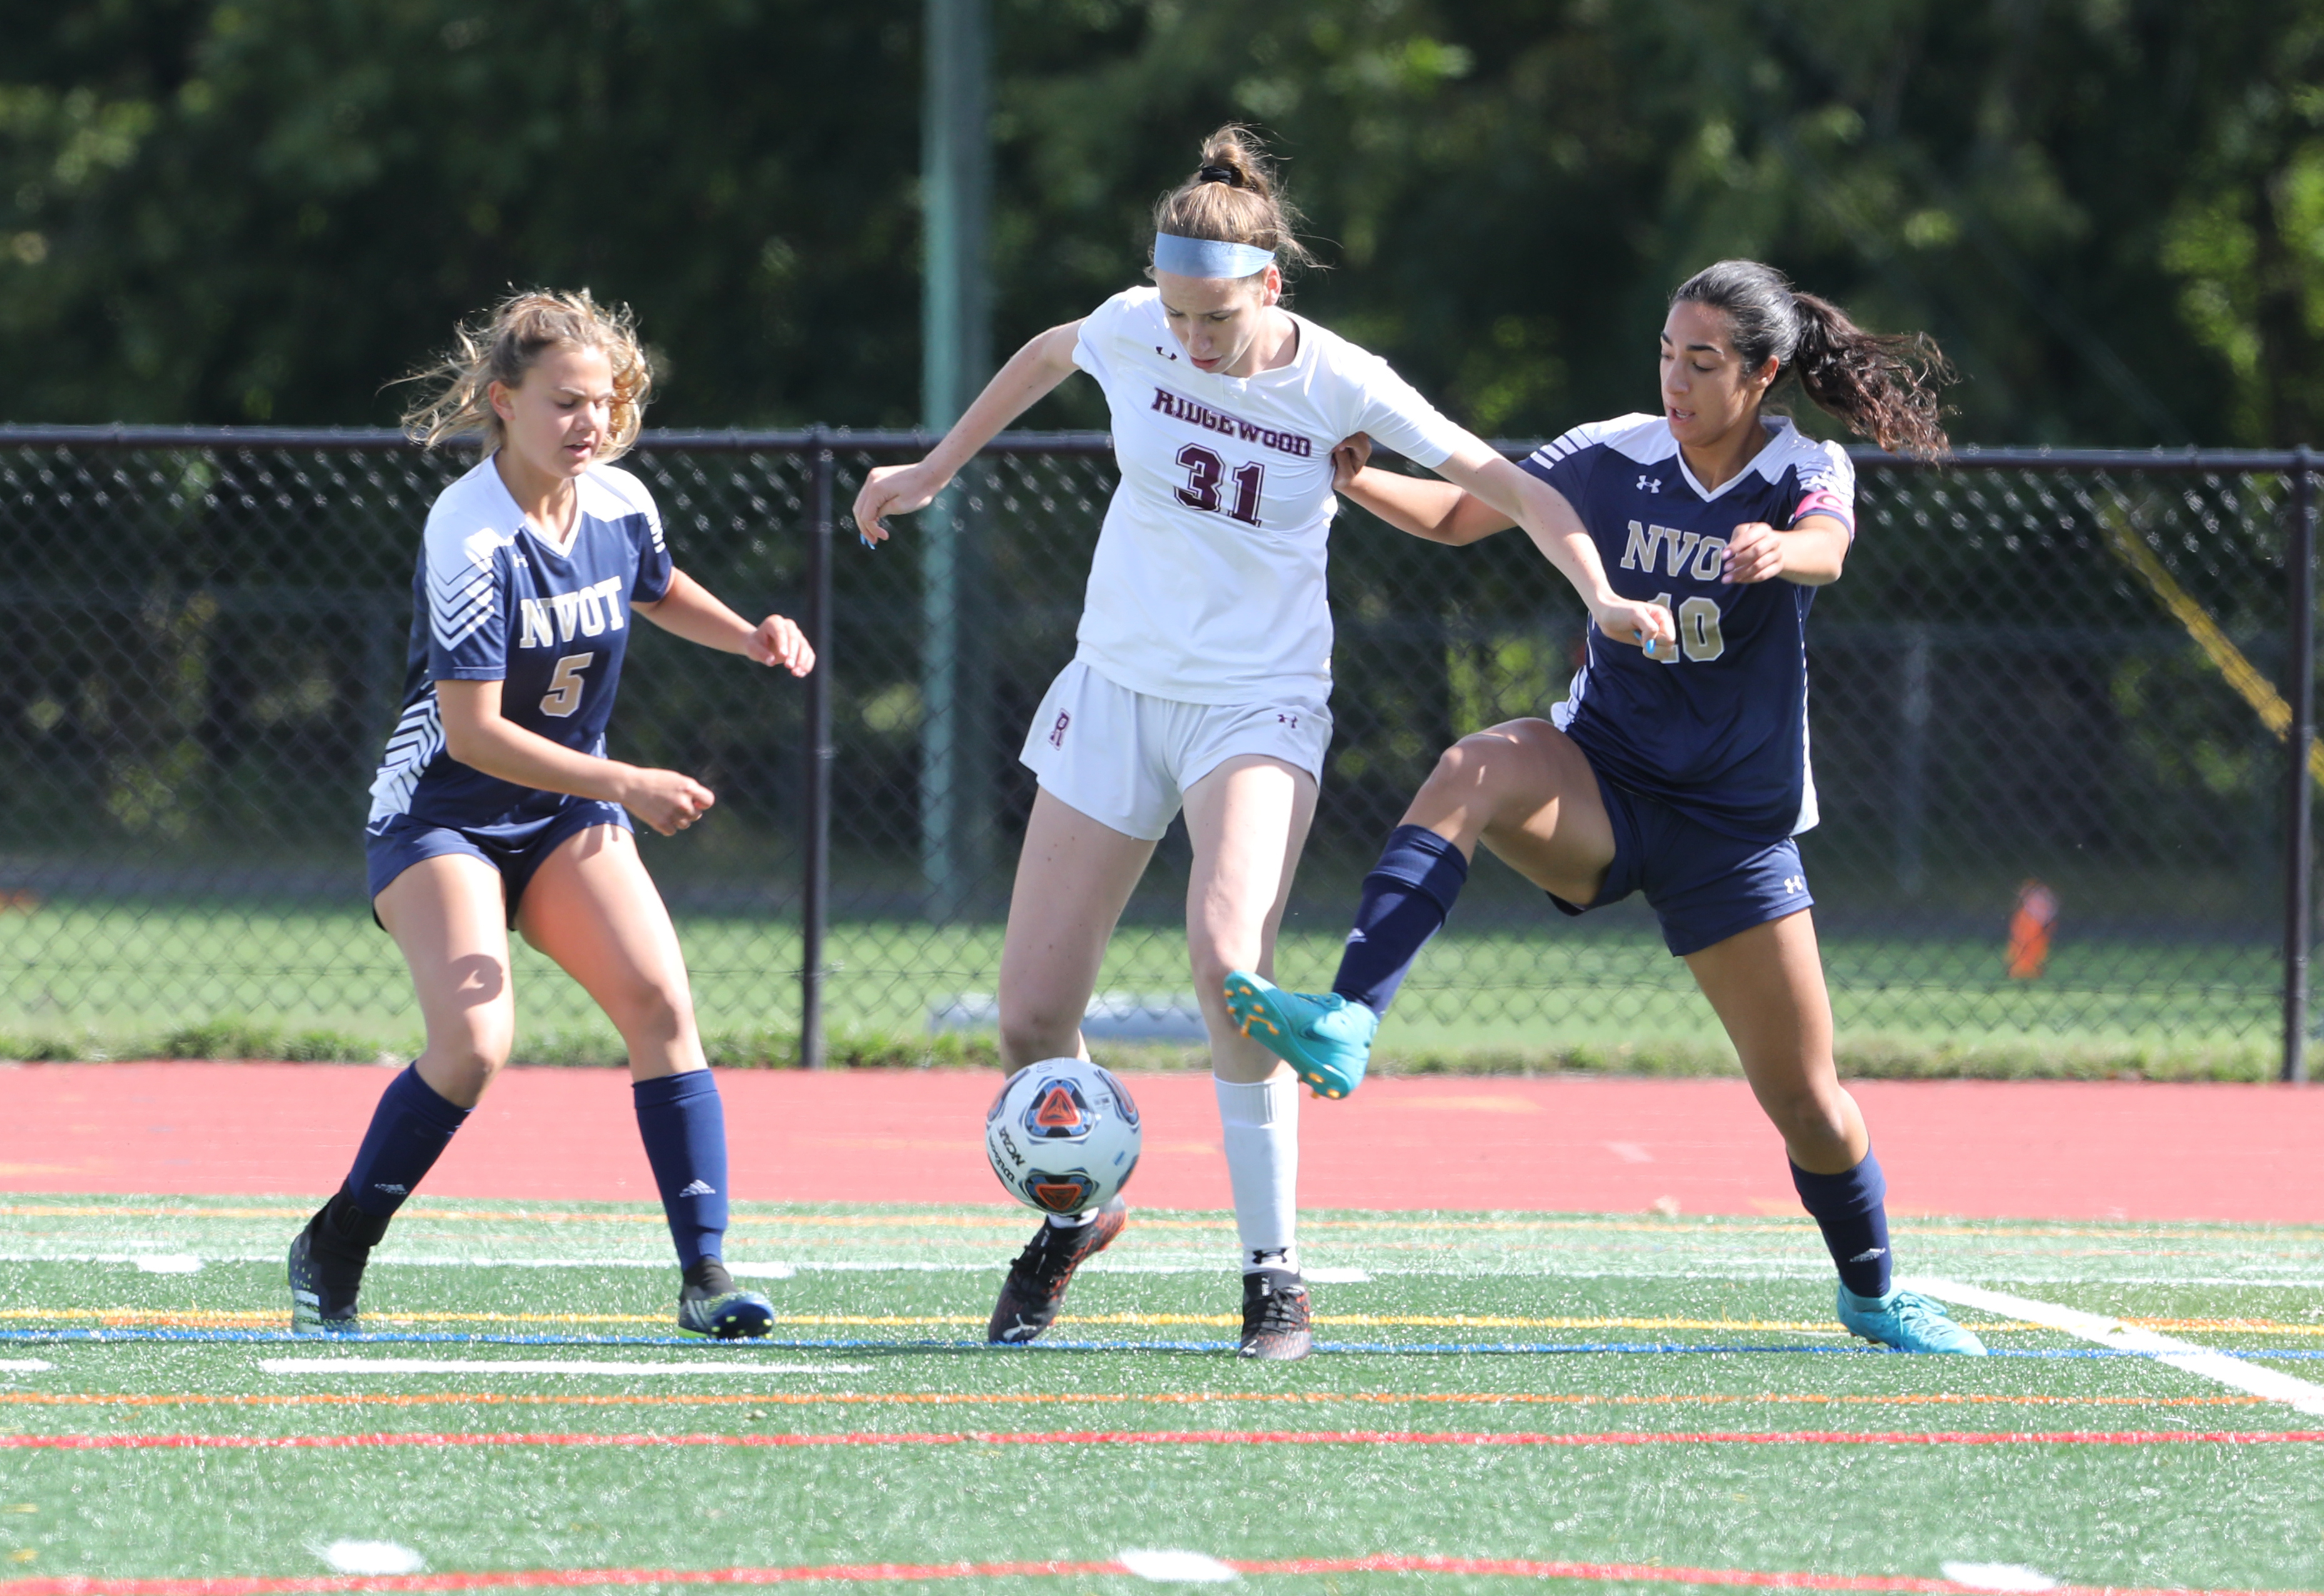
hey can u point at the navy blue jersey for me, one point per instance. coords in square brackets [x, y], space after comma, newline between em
[493, 601]
[1719, 729]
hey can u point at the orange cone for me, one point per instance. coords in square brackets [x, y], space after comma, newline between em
[2029, 931]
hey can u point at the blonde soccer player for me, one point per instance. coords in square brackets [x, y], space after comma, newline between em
[497, 804]
[1202, 677]
[1678, 771]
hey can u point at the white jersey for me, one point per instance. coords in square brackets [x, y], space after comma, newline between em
[1208, 584]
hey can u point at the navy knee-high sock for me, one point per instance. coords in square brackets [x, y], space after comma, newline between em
[1406, 899]
[1851, 1210]
[684, 1127]
[409, 1130]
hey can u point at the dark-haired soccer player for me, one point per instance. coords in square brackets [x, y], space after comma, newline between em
[1680, 771]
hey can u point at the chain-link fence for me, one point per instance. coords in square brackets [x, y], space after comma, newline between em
[2045, 680]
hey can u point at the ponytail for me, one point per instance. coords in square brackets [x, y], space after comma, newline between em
[1882, 387]
[1234, 197]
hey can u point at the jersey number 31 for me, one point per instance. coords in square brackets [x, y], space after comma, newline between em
[1205, 471]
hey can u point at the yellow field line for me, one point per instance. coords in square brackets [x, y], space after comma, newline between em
[2239, 673]
[1054, 1398]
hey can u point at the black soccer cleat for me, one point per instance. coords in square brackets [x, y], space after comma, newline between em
[710, 1304]
[327, 1268]
[1036, 1288]
[1275, 1318]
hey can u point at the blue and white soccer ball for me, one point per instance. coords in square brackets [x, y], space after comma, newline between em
[1063, 1136]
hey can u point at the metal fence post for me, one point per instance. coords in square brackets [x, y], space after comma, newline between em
[814, 895]
[2299, 860]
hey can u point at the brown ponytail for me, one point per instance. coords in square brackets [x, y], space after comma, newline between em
[1885, 387]
[1234, 197]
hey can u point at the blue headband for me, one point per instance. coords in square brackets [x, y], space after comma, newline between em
[1203, 257]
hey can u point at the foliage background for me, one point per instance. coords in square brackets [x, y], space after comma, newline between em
[2110, 211]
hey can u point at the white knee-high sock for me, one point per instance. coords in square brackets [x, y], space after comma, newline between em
[1261, 1121]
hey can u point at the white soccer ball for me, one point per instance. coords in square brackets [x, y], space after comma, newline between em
[1063, 1136]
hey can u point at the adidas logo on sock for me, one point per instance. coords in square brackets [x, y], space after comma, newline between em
[1355, 936]
[392, 1190]
[698, 1189]
[1869, 1255]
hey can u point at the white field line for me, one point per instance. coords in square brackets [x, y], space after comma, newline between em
[2303, 1396]
[1755, 1270]
[26, 1365]
[543, 1366]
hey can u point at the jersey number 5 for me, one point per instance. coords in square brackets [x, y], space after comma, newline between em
[1205, 471]
[564, 695]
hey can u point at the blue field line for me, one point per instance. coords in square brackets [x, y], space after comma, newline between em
[857, 1344]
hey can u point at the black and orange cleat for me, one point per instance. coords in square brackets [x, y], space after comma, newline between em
[1036, 1286]
[1275, 1318]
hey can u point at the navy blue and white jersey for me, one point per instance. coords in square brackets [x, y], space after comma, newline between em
[1719, 729]
[493, 601]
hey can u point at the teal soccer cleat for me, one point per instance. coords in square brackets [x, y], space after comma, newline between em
[1326, 1039]
[1906, 1321]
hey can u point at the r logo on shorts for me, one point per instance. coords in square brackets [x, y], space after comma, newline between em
[1058, 732]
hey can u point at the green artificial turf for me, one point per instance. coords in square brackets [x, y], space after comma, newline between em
[112, 979]
[910, 1288]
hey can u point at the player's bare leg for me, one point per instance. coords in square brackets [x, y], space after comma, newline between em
[448, 919]
[1074, 875]
[450, 923]
[1766, 985]
[592, 907]
[1521, 789]
[1248, 820]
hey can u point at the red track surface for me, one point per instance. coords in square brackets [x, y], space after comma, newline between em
[1979, 1149]
[535, 1579]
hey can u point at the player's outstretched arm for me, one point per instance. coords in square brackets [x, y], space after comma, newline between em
[692, 612]
[1558, 532]
[1423, 506]
[478, 736]
[1031, 373]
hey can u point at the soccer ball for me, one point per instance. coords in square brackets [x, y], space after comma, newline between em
[1063, 1136]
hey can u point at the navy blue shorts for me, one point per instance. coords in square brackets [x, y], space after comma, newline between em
[1703, 885]
[516, 850]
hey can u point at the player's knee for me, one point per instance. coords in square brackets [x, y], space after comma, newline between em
[651, 1009]
[1032, 1030]
[1806, 1117]
[467, 1062]
[1487, 765]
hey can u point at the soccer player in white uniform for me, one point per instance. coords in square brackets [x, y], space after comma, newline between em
[497, 805]
[1681, 773]
[1202, 678]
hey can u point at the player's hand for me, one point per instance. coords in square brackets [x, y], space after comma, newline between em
[780, 642]
[1350, 455]
[1630, 620]
[667, 801]
[893, 491]
[1755, 553]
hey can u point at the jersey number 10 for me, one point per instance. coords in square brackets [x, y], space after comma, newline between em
[1204, 472]
[1699, 636]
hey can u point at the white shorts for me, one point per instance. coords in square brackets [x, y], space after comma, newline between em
[1126, 758]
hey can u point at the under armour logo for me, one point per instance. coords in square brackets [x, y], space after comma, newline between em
[1164, 353]
[1650, 484]
[1795, 884]
[1290, 720]
[697, 1189]
[1058, 732]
